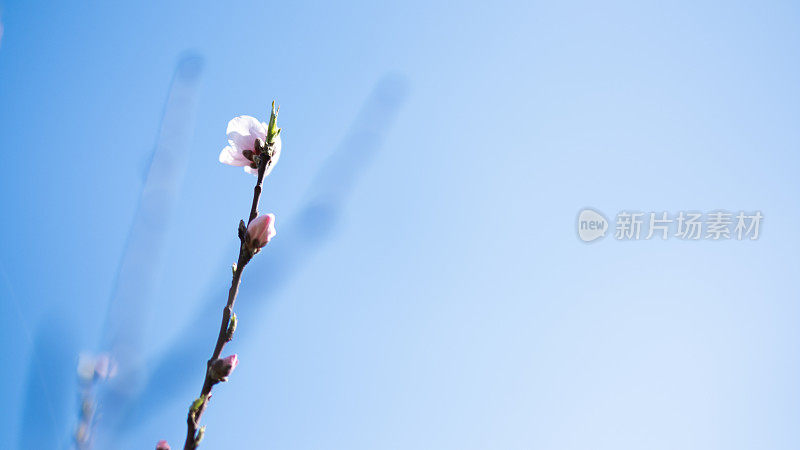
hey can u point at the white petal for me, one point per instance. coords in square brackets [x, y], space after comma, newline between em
[232, 156]
[244, 130]
[243, 125]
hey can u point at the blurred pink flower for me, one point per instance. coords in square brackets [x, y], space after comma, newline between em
[105, 367]
[162, 445]
[242, 134]
[96, 367]
[221, 369]
[260, 231]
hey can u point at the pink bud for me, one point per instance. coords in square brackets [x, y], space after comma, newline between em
[221, 369]
[260, 231]
[162, 445]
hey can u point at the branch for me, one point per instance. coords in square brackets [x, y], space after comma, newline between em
[194, 433]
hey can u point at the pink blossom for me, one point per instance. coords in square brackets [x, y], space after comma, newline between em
[242, 134]
[105, 367]
[260, 231]
[96, 367]
[221, 369]
[162, 445]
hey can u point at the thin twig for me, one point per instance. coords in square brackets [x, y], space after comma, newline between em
[245, 254]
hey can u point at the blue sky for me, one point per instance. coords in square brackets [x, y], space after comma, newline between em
[447, 302]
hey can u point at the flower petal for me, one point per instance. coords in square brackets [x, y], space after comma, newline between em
[232, 156]
[244, 130]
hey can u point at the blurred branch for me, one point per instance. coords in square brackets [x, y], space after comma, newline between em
[132, 294]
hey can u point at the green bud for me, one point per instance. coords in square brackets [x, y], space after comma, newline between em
[197, 403]
[272, 128]
[232, 325]
[200, 434]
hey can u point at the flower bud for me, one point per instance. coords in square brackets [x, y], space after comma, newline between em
[197, 403]
[221, 369]
[231, 326]
[260, 231]
[162, 445]
[272, 127]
